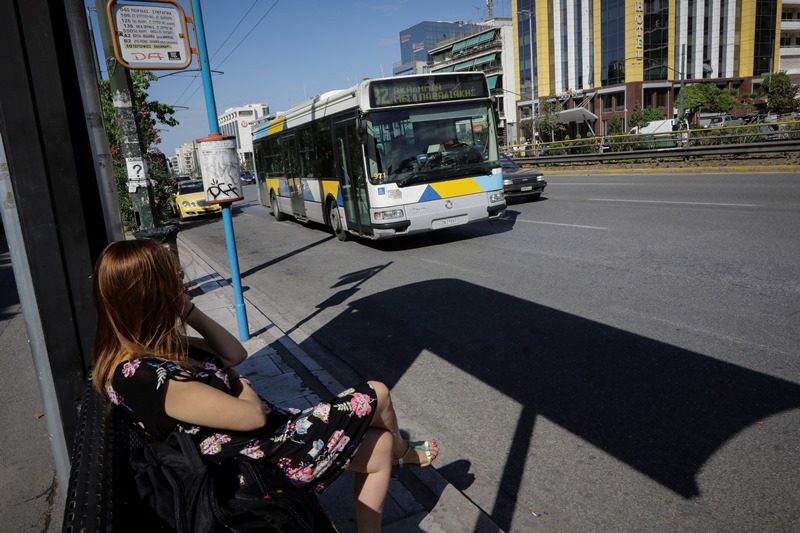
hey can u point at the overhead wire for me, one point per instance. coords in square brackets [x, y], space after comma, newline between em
[232, 50]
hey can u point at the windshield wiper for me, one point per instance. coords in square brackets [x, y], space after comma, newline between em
[465, 170]
[412, 178]
[439, 174]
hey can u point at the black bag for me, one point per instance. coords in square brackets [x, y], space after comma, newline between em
[192, 496]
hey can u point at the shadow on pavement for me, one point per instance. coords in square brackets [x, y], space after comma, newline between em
[658, 408]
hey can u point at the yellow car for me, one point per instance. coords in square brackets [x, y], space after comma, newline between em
[190, 201]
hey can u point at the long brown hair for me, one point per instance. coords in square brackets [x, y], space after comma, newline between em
[138, 293]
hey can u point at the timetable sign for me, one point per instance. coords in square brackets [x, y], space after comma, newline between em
[151, 35]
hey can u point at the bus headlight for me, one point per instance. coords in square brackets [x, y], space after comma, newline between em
[496, 197]
[391, 214]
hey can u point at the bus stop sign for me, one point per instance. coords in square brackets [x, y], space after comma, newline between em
[149, 35]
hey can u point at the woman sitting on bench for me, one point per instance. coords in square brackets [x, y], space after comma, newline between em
[163, 380]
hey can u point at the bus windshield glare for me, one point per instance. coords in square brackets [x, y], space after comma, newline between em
[411, 146]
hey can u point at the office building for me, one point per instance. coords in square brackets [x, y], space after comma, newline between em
[419, 39]
[236, 122]
[604, 55]
[186, 156]
[790, 39]
[488, 48]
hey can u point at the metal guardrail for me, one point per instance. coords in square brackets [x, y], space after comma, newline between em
[668, 153]
[686, 144]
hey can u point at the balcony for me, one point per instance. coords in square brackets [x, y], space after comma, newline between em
[790, 51]
[790, 25]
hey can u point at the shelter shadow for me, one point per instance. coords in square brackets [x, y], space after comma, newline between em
[659, 408]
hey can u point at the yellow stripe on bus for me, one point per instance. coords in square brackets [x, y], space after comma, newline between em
[449, 189]
[276, 126]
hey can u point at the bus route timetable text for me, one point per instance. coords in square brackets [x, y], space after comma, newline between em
[150, 33]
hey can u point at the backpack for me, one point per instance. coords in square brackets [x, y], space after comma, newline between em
[192, 496]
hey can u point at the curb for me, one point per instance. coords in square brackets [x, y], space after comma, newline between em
[449, 512]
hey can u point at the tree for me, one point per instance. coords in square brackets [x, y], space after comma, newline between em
[548, 120]
[614, 125]
[698, 95]
[724, 101]
[781, 93]
[526, 127]
[642, 117]
[149, 114]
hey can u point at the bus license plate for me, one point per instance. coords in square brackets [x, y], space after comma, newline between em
[447, 222]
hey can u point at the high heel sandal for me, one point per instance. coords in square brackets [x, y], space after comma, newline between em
[416, 445]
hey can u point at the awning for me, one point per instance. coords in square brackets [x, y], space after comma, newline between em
[492, 82]
[474, 41]
[579, 114]
[485, 59]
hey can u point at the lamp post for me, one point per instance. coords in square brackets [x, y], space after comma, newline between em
[529, 13]
[680, 73]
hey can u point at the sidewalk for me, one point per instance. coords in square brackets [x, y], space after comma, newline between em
[418, 500]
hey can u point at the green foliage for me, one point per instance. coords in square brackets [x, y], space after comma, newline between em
[148, 113]
[642, 117]
[615, 125]
[724, 101]
[698, 95]
[526, 127]
[547, 120]
[780, 92]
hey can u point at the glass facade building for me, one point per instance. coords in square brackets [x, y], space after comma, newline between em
[606, 55]
[419, 39]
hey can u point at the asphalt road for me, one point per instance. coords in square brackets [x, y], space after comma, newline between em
[621, 355]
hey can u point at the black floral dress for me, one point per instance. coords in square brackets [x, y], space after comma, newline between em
[309, 447]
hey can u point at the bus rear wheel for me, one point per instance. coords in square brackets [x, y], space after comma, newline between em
[336, 221]
[273, 202]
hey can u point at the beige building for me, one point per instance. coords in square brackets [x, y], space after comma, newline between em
[790, 39]
[236, 122]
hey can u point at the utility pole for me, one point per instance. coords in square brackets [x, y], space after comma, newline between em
[119, 80]
[683, 81]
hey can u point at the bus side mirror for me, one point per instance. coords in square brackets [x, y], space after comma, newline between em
[361, 129]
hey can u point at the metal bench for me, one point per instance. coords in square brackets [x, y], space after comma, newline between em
[102, 495]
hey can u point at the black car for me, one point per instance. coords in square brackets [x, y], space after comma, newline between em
[520, 182]
[246, 177]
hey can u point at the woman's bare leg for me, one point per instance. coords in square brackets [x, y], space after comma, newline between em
[385, 418]
[372, 465]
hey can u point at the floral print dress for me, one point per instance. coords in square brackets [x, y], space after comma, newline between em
[309, 447]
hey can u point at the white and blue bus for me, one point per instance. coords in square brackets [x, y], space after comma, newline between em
[386, 158]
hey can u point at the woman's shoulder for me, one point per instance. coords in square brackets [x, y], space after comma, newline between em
[147, 369]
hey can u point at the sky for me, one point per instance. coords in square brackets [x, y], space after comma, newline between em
[282, 52]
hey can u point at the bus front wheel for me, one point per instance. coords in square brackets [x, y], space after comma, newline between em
[275, 211]
[336, 221]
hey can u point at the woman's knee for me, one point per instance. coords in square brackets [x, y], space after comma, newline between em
[381, 393]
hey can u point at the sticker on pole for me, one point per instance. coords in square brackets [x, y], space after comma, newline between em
[219, 165]
[149, 35]
[138, 175]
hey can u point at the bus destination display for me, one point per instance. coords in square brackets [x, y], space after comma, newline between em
[391, 92]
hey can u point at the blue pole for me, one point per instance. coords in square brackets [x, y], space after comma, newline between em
[227, 219]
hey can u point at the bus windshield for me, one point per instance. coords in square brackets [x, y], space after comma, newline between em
[411, 146]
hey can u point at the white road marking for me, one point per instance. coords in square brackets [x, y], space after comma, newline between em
[554, 224]
[670, 202]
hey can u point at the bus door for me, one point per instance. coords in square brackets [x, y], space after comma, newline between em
[294, 175]
[352, 177]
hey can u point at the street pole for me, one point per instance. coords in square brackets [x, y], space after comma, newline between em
[683, 81]
[529, 13]
[533, 89]
[227, 219]
[119, 80]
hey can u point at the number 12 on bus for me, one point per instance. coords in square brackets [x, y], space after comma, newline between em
[389, 157]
